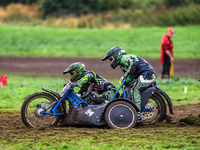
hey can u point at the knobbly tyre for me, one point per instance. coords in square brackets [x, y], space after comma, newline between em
[44, 109]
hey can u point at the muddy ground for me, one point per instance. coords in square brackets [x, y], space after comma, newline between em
[185, 125]
[183, 115]
[55, 66]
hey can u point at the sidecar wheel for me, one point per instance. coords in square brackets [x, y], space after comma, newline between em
[120, 115]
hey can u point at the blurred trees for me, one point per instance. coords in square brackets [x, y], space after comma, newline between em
[100, 13]
[78, 7]
[174, 3]
[7, 2]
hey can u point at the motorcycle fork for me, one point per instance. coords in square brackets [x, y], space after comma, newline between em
[54, 108]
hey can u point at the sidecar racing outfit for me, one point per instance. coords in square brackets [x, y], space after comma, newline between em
[138, 72]
[103, 89]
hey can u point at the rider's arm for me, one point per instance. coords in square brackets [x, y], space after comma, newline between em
[83, 82]
[130, 70]
[85, 79]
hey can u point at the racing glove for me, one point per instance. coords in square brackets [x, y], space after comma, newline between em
[128, 80]
[121, 80]
[73, 84]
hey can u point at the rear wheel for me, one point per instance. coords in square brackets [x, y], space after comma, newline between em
[154, 111]
[32, 108]
[120, 115]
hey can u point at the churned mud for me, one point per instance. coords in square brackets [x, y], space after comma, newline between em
[11, 123]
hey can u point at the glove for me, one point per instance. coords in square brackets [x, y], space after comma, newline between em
[129, 79]
[106, 101]
[79, 95]
[73, 84]
[121, 80]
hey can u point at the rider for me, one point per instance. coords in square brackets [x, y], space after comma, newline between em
[83, 78]
[137, 72]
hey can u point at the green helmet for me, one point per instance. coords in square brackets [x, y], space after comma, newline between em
[114, 55]
[76, 70]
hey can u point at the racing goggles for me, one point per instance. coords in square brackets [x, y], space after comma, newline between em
[73, 73]
[111, 58]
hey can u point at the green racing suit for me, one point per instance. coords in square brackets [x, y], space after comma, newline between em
[101, 86]
[138, 74]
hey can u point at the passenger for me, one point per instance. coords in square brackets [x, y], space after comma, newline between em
[137, 72]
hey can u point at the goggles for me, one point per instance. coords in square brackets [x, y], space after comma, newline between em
[73, 73]
[111, 58]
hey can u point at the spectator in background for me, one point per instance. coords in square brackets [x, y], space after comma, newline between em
[166, 55]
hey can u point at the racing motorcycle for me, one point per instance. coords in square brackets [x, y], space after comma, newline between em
[48, 108]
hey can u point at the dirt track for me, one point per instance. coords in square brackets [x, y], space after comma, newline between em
[184, 116]
[14, 132]
[55, 66]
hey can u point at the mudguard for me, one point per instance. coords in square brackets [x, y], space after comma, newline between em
[52, 92]
[122, 99]
[145, 95]
[167, 98]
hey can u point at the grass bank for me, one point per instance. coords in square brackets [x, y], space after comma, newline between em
[144, 42]
[20, 87]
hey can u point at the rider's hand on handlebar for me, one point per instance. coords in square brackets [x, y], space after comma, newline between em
[73, 84]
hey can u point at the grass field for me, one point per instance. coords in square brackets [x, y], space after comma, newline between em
[145, 42]
[20, 87]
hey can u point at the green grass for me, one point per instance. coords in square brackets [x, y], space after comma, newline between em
[20, 87]
[144, 42]
[149, 137]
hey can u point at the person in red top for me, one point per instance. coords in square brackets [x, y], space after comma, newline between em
[166, 55]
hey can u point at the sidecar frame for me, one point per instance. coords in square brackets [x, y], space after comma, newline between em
[89, 115]
[94, 114]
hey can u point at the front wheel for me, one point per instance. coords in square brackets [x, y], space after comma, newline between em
[154, 110]
[120, 115]
[32, 108]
